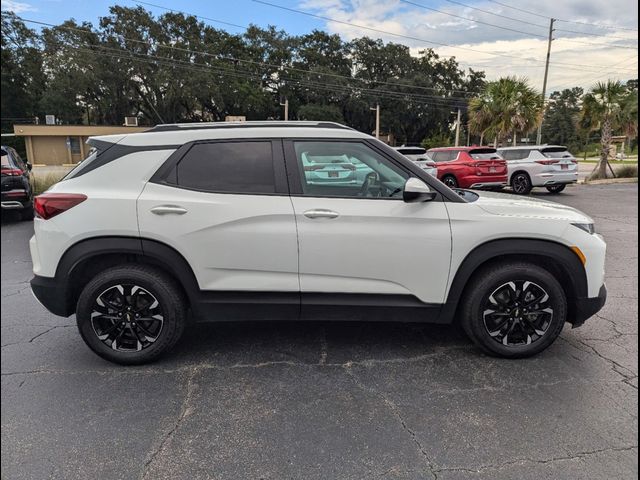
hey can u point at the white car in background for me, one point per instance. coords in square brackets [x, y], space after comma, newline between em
[419, 156]
[549, 166]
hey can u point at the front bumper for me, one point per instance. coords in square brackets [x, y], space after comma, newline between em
[51, 295]
[586, 308]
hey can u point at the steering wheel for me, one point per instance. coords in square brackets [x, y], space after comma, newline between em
[371, 180]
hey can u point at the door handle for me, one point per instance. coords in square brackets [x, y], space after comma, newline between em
[321, 213]
[166, 209]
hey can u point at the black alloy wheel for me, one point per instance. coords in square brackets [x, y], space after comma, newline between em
[450, 181]
[127, 318]
[131, 313]
[517, 313]
[521, 183]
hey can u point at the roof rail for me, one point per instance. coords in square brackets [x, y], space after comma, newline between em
[173, 127]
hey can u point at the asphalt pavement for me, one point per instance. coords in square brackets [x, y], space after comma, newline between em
[327, 401]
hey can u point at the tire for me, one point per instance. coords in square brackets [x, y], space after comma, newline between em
[144, 289]
[530, 333]
[450, 181]
[521, 183]
[556, 188]
[27, 213]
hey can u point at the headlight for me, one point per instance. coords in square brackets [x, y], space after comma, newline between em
[587, 227]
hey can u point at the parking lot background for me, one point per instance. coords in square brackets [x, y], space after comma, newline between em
[327, 400]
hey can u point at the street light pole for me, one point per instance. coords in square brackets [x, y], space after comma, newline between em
[286, 109]
[544, 83]
[377, 110]
[458, 128]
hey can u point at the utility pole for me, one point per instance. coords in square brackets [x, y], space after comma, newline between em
[544, 83]
[458, 128]
[377, 110]
[286, 109]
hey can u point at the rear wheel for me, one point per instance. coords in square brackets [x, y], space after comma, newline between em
[131, 314]
[556, 188]
[521, 183]
[450, 181]
[514, 310]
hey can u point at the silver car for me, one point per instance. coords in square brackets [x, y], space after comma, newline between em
[549, 166]
[419, 156]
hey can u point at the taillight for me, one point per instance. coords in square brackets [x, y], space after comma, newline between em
[12, 172]
[49, 205]
[547, 162]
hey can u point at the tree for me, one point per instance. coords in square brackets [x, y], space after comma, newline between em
[602, 110]
[327, 113]
[560, 119]
[508, 106]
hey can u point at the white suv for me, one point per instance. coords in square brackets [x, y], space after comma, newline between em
[549, 166]
[221, 222]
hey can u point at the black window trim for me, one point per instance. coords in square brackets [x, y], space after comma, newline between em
[163, 174]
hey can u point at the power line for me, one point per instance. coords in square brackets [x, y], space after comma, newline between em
[513, 29]
[127, 54]
[222, 22]
[567, 65]
[560, 20]
[385, 32]
[534, 24]
[253, 62]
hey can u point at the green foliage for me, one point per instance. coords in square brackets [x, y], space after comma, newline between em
[438, 139]
[507, 107]
[560, 120]
[175, 68]
[40, 183]
[328, 113]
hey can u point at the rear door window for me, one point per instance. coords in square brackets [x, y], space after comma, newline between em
[228, 167]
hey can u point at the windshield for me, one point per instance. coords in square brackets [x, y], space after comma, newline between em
[485, 156]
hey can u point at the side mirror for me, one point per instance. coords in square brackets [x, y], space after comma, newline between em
[415, 191]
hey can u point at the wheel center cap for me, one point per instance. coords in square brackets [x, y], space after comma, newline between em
[516, 312]
[128, 316]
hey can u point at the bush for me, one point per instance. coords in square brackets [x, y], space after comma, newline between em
[41, 183]
[627, 171]
[436, 140]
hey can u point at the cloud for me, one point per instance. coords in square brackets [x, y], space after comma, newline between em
[17, 7]
[521, 43]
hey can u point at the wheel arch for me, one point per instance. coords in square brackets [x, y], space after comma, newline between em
[519, 170]
[557, 258]
[88, 257]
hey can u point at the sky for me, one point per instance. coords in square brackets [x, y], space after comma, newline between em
[501, 37]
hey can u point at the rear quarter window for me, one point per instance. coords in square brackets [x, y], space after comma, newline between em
[228, 167]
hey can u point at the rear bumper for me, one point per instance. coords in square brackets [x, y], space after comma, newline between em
[483, 181]
[550, 178]
[586, 308]
[15, 199]
[51, 295]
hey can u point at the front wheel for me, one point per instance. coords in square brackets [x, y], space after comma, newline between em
[556, 188]
[131, 314]
[514, 310]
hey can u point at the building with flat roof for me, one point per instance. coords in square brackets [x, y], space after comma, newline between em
[63, 144]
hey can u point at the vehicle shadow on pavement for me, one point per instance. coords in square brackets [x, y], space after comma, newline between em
[313, 342]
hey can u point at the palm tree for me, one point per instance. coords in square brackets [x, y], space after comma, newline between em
[602, 109]
[629, 116]
[508, 106]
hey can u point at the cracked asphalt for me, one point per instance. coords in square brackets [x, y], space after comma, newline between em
[322, 400]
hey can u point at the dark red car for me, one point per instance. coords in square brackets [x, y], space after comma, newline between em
[470, 167]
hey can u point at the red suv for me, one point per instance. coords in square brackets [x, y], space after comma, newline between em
[470, 167]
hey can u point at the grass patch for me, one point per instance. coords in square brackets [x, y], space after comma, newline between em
[41, 183]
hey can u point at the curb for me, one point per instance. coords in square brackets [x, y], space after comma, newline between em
[608, 181]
